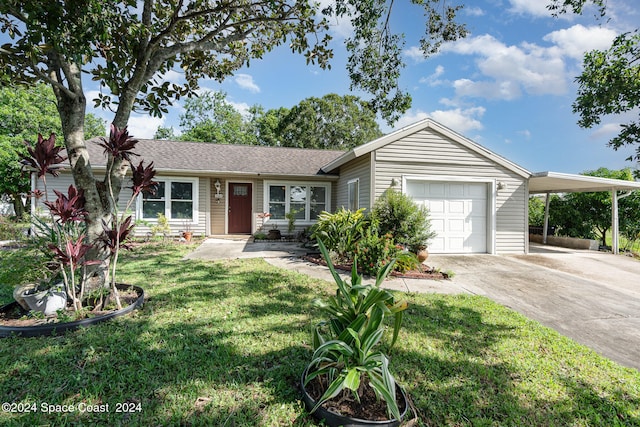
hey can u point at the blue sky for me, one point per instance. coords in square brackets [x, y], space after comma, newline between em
[508, 86]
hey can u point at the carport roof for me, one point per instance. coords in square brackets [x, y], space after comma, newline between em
[555, 182]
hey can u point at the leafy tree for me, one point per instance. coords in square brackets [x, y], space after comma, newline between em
[165, 133]
[128, 46]
[210, 118]
[610, 81]
[330, 122]
[265, 125]
[25, 112]
[588, 215]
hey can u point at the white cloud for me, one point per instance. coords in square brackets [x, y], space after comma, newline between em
[415, 54]
[245, 81]
[606, 131]
[433, 80]
[508, 71]
[577, 40]
[536, 8]
[144, 127]
[459, 119]
[526, 133]
[473, 11]
[241, 107]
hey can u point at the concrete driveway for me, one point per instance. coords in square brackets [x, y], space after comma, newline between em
[589, 296]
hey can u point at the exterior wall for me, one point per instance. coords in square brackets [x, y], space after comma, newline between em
[199, 228]
[357, 169]
[428, 154]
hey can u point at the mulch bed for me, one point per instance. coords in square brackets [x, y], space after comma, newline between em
[423, 271]
[20, 317]
[369, 408]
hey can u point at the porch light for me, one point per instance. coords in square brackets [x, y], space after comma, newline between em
[218, 194]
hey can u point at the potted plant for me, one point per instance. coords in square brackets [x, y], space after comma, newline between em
[187, 233]
[348, 364]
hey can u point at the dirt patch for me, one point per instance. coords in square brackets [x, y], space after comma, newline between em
[423, 271]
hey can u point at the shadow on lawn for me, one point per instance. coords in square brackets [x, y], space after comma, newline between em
[224, 344]
[456, 378]
[220, 345]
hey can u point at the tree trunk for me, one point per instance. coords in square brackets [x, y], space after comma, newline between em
[71, 107]
[18, 207]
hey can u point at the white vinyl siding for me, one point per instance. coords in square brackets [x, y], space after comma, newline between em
[429, 155]
[198, 223]
[359, 169]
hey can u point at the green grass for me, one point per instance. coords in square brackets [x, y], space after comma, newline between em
[224, 343]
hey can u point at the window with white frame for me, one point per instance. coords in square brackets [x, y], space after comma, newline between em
[353, 195]
[175, 198]
[307, 200]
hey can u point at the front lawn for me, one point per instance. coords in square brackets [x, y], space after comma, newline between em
[224, 344]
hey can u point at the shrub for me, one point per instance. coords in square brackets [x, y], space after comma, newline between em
[398, 214]
[340, 231]
[373, 251]
[406, 261]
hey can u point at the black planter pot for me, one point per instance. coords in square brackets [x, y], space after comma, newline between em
[57, 328]
[334, 420]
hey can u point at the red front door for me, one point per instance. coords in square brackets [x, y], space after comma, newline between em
[240, 203]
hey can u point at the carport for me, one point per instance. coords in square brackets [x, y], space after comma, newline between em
[554, 182]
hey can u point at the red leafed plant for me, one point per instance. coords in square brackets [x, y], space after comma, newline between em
[68, 213]
[45, 156]
[114, 237]
[120, 144]
[68, 208]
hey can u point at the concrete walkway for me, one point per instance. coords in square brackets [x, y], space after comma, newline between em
[589, 296]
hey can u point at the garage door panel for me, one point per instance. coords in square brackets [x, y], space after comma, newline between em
[458, 214]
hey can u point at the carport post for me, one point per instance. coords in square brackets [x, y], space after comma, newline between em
[545, 228]
[614, 221]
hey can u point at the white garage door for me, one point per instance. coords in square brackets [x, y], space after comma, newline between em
[458, 213]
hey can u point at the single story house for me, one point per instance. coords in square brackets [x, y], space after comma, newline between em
[478, 200]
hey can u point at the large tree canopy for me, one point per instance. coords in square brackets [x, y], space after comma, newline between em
[331, 122]
[128, 46]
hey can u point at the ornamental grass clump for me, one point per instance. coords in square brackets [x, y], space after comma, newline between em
[347, 355]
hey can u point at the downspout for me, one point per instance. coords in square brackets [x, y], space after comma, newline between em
[545, 227]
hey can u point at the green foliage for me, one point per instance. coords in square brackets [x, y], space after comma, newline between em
[396, 213]
[161, 226]
[373, 251]
[331, 122]
[609, 85]
[536, 211]
[210, 118]
[406, 261]
[346, 345]
[588, 215]
[291, 219]
[24, 113]
[340, 231]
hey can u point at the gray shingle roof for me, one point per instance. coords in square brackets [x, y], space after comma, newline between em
[212, 158]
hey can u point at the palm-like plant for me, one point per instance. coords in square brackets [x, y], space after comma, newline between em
[346, 345]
